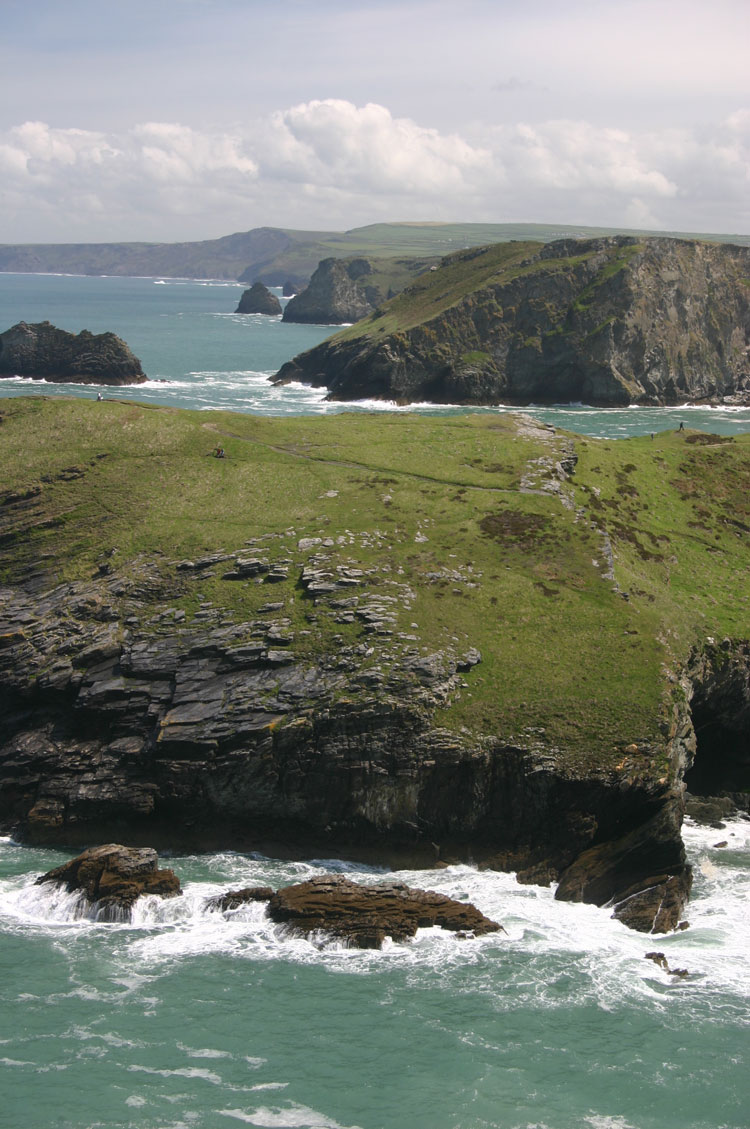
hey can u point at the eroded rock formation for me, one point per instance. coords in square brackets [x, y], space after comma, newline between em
[258, 300]
[364, 916]
[336, 293]
[43, 352]
[612, 321]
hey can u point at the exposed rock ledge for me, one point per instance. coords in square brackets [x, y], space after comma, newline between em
[113, 877]
[193, 737]
[44, 352]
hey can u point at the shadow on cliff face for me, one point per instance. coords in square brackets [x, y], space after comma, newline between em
[720, 710]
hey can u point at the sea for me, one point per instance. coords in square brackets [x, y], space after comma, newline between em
[189, 1018]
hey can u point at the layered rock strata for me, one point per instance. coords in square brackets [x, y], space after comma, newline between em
[112, 877]
[612, 321]
[363, 916]
[121, 716]
[44, 352]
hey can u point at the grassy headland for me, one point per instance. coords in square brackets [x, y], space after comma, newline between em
[462, 525]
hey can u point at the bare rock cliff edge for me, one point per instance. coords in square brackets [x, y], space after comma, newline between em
[612, 321]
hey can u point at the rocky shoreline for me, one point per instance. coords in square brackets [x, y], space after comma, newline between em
[279, 695]
[210, 734]
[112, 877]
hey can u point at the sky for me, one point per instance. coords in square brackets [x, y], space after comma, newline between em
[191, 119]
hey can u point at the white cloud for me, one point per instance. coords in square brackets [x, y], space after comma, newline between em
[330, 163]
[365, 149]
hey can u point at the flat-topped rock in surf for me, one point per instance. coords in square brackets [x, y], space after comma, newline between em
[44, 352]
[113, 877]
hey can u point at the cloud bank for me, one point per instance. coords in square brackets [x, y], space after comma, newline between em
[329, 163]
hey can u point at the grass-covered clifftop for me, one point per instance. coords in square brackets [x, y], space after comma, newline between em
[607, 321]
[468, 638]
[584, 594]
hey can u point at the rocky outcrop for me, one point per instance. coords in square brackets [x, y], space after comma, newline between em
[363, 916]
[337, 293]
[113, 877]
[196, 733]
[386, 691]
[609, 322]
[43, 352]
[258, 300]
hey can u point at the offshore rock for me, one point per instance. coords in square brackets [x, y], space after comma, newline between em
[612, 321]
[43, 352]
[113, 877]
[259, 300]
[335, 294]
[363, 916]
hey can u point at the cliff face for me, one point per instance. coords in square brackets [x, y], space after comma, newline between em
[609, 321]
[121, 718]
[44, 352]
[369, 650]
[345, 290]
[334, 294]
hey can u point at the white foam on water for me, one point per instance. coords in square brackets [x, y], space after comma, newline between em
[180, 1072]
[560, 950]
[292, 1117]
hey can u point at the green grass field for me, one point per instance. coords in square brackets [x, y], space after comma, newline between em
[451, 517]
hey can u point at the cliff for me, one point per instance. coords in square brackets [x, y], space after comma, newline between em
[43, 352]
[258, 300]
[609, 322]
[346, 290]
[492, 657]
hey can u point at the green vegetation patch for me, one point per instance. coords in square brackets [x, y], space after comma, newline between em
[430, 519]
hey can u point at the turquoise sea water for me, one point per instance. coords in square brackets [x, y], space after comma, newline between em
[190, 1019]
[198, 354]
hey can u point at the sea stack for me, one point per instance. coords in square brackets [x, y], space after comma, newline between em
[44, 352]
[259, 300]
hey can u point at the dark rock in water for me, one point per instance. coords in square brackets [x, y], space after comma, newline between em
[643, 873]
[259, 300]
[113, 877]
[710, 811]
[288, 289]
[234, 898]
[658, 908]
[661, 960]
[364, 915]
[43, 352]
